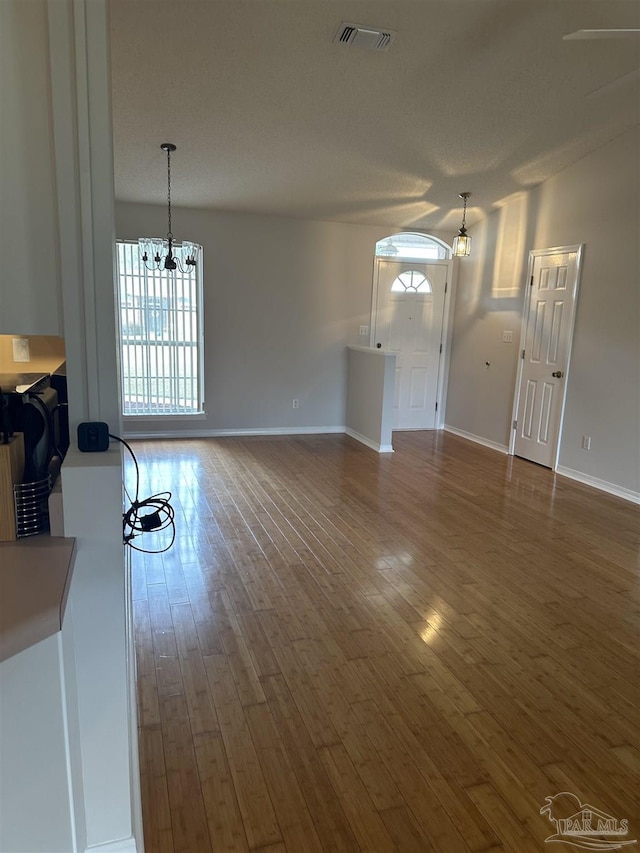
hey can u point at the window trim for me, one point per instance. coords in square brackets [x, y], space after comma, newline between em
[408, 255]
[201, 414]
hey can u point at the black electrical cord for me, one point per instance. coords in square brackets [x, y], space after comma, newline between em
[52, 448]
[53, 411]
[161, 517]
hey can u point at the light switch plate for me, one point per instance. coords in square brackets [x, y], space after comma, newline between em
[20, 349]
[364, 330]
[507, 337]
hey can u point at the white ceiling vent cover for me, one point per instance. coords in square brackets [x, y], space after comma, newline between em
[369, 38]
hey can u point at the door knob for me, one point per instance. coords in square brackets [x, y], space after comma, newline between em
[558, 374]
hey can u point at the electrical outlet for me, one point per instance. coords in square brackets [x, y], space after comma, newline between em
[507, 337]
[296, 404]
[364, 330]
[586, 442]
[20, 349]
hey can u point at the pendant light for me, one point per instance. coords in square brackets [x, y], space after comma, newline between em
[158, 254]
[462, 241]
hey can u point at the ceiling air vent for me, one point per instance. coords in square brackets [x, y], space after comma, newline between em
[368, 37]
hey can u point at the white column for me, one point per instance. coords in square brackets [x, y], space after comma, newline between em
[92, 482]
[81, 109]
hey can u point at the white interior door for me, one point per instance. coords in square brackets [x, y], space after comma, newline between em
[409, 322]
[547, 333]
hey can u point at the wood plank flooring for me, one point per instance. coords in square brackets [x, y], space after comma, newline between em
[351, 652]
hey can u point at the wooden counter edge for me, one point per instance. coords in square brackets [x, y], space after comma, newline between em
[39, 624]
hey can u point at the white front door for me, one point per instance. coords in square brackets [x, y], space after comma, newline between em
[546, 341]
[409, 321]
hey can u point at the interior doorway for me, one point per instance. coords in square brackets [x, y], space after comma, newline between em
[546, 337]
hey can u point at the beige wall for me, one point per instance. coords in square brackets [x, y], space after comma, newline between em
[283, 298]
[595, 202]
[46, 354]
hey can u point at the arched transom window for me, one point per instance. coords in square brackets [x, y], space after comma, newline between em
[411, 246]
[411, 281]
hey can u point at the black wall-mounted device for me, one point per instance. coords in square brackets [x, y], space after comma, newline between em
[93, 437]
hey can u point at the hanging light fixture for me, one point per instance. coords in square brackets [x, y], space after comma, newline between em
[387, 248]
[158, 254]
[462, 241]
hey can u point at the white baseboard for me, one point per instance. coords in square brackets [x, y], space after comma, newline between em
[124, 845]
[603, 485]
[379, 448]
[222, 433]
[502, 448]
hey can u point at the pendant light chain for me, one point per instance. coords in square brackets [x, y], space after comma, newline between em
[462, 241]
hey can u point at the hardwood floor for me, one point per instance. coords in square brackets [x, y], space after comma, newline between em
[351, 652]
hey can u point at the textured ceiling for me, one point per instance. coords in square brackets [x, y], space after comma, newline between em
[270, 116]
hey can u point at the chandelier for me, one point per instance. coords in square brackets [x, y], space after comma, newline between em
[462, 241]
[167, 254]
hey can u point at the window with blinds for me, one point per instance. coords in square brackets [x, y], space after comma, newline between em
[161, 340]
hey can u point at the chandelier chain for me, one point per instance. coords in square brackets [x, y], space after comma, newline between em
[150, 248]
[169, 233]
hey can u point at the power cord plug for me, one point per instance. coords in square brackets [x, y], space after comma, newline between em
[151, 521]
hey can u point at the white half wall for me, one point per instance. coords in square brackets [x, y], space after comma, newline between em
[370, 395]
[595, 202]
[92, 498]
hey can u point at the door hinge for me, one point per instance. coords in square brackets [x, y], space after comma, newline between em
[436, 407]
[446, 285]
[522, 356]
[531, 282]
[515, 424]
[440, 347]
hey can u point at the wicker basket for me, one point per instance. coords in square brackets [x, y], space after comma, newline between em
[32, 507]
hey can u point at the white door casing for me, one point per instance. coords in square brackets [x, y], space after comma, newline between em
[546, 337]
[409, 322]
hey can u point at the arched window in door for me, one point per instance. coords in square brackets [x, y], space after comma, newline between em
[411, 281]
[412, 246]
